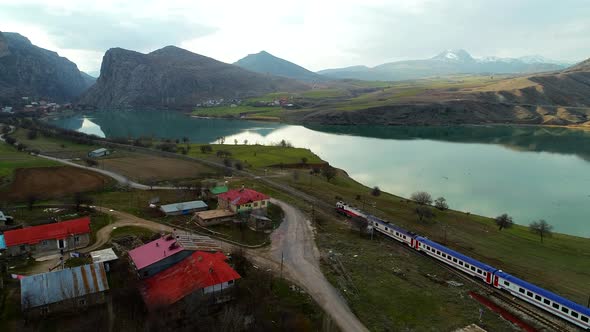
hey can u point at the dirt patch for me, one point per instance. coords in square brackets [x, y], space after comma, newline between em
[52, 182]
[143, 168]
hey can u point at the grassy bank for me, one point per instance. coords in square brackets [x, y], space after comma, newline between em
[258, 156]
[11, 159]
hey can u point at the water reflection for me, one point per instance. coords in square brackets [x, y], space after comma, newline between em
[527, 172]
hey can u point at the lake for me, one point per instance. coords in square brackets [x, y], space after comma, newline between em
[527, 172]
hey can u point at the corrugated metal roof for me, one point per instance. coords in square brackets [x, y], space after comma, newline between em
[242, 196]
[101, 150]
[46, 288]
[175, 207]
[105, 255]
[2, 243]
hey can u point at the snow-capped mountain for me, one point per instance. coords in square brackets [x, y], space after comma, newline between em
[448, 62]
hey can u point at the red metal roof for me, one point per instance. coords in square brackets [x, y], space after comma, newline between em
[242, 196]
[36, 234]
[200, 270]
[154, 251]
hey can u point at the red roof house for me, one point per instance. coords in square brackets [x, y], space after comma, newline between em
[207, 272]
[158, 255]
[239, 200]
[62, 235]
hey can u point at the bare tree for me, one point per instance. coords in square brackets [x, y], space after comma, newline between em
[541, 227]
[504, 221]
[359, 223]
[424, 213]
[441, 204]
[422, 198]
[376, 191]
[235, 141]
[329, 172]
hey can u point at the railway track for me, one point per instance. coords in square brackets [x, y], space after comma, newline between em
[538, 316]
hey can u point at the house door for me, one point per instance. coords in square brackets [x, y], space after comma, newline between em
[61, 244]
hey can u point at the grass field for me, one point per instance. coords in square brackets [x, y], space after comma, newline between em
[223, 111]
[152, 169]
[11, 159]
[257, 156]
[52, 146]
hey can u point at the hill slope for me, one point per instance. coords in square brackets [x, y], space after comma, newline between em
[558, 98]
[28, 70]
[266, 63]
[176, 78]
[446, 63]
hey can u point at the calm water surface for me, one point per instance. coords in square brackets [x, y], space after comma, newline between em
[527, 172]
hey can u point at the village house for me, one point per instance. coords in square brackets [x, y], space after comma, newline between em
[156, 256]
[259, 223]
[105, 256]
[4, 219]
[213, 217]
[99, 153]
[182, 208]
[243, 200]
[66, 290]
[49, 238]
[202, 275]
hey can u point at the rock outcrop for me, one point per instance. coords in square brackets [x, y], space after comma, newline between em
[172, 77]
[28, 70]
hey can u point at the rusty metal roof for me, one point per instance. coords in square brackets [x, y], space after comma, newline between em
[46, 288]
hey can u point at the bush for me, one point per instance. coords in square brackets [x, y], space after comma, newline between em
[206, 148]
[32, 134]
[441, 204]
[422, 198]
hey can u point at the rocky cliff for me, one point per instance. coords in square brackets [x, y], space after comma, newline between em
[172, 77]
[28, 70]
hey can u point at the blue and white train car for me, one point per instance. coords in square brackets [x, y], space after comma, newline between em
[393, 231]
[555, 304]
[457, 260]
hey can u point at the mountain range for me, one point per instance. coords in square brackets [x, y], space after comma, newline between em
[266, 63]
[447, 62]
[172, 77]
[28, 70]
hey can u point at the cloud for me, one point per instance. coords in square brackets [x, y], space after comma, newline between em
[315, 34]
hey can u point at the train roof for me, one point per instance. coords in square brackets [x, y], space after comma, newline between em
[453, 253]
[545, 293]
[390, 225]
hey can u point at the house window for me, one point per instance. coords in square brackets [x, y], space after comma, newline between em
[44, 310]
[547, 302]
[565, 310]
[255, 204]
[23, 248]
[76, 239]
[231, 282]
[82, 302]
[44, 242]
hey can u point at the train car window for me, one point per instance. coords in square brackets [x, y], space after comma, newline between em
[574, 314]
[564, 309]
[506, 283]
[529, 294]
[455, 260]
[438, 252]
[547, 302]
[555, 305]
[521, 290]
[537, 297]
[584, 319]
[472, 268]
[479, 271]
[386, 228]
[461, 263]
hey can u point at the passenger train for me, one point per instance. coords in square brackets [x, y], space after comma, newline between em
[544, 299]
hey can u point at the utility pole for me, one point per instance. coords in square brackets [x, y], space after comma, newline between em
[282, 264]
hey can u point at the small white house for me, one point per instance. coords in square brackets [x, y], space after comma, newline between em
[99, 153]
[4, 218]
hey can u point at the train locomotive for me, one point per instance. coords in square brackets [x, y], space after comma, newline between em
[542, 298]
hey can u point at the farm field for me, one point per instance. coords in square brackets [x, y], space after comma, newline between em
[57, 147]
[52, 182]
[11, 159]
[152, 169]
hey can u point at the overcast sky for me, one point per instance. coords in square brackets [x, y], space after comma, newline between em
[316, 34]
